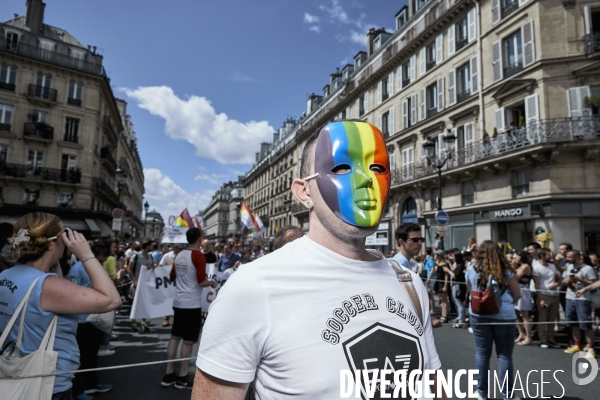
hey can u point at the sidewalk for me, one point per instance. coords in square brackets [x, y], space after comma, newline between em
[132, 347]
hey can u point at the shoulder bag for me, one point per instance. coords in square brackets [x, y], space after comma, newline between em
[40, 362]
[405, 279]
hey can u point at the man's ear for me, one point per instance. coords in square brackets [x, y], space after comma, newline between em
[301, 192]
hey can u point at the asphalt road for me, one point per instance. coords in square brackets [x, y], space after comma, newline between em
[455, 347]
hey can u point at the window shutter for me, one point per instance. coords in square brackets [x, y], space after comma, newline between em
[499, 119]
[399, 78]
[392, 161]
[423, 104]
[528, 43]
[379, 122]
[587, 18]
[391, 121]
[521, 2]
[495, 11]
[357, 108]
[454, 132]
[390, 84]
[405, 114]
[422, 61]
[413, 67]
[575, 97]
[451, 44]
[439, 49]
[472, 24]
[532, 112]
[469, 134]
[413, 109]
[440, 92]
[379, 91]
[348, 112]
[367, 101]
[441, 147]
[474, 75]
[497, 61]
[452, 87]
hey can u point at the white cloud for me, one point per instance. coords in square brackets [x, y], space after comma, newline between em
[310, 19]
[357, 37]
[336, 12]
[215, 179]
[315, 28]
[169, 198]
[196, 121]
[239, 77]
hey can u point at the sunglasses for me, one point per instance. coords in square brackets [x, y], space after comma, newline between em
[417, 239]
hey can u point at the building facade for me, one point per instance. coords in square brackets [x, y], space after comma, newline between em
[65, 143]
[154, 225]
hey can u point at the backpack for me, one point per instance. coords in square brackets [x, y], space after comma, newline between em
[486, 300]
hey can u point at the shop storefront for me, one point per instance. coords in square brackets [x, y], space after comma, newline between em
[382, 239]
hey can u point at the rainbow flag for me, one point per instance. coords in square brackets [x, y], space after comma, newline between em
[246, 216]
[277, 227]
[180, 223]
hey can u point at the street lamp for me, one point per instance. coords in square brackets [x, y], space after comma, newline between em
[438, 162]
[146, 207]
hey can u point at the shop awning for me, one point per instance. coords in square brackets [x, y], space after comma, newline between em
[75, 224]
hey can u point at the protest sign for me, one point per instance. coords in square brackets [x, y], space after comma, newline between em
[154, 293]
[174, 235]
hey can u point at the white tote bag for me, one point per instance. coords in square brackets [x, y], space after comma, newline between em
[40, 362]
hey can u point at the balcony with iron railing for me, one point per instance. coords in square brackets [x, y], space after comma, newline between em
[102, 187]
[461, 42]
[108, 127]
[430, 64]
[432, 111]
[513, 68]
[74, 102]
[5, 127]
[509, 8]
[107, 158]
[38, 131]
[543, 132]
[461, 96]
[8, 86]
[468, 199]
[53, 57]
[24, 171]
[405, 82]
[591, 42]
[42, 93]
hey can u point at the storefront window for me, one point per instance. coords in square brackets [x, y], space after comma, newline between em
[591, 235]
[518, 234]
[459, 236]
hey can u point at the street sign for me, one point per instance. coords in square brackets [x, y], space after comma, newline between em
[117, 224]
[442, 217]
[118, 214]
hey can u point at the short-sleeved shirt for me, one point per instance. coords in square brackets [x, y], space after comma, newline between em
[507, 309]
[584, 271]
[547, 277]
[139, 261]
[429, 264]
[227, 262]
[190, 270]
[294, 318]
[411, 264]
[110, 266]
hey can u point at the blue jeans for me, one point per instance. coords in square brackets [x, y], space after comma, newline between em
[503, 336]
[462, 309]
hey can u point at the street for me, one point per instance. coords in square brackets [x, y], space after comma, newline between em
[455, 347]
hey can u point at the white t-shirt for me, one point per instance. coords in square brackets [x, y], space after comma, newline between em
[190, 269]
[291, 320]
[547, 277]
[167, 259]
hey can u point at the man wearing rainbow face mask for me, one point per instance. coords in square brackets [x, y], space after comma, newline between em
[295, 318]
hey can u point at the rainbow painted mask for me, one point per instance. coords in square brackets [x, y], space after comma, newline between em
[352, 161]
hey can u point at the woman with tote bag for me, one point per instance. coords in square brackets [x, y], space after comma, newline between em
[39, 310]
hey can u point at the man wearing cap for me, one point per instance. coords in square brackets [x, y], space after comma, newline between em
[294, 322]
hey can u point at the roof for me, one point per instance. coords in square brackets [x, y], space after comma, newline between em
[49, 32]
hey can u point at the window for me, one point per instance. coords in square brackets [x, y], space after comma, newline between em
[463, 82]
[468, 193]
[5, 117]
[31, 197]
[65, 200]
[384, 87]
[343, 114]
[513, 54]
[432, 100]
[68, 162]
[8, 77]
[409, 112]
[462, 34]
[521, 180]
[39, 116]
[71, 130]
[35, 159]
[406, 74]
[385, 129]
[508, 7]
[503, 8]
[3, 154]
[431, 53]
[401, 17]
[12, 39]
[418, 4]
[376, 43]
[47, 45]
[43, 83]
[75, 93]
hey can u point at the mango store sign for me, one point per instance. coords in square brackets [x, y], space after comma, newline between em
[510, 212]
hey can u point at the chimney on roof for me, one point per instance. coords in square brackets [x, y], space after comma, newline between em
[370, 37]
[34, 15]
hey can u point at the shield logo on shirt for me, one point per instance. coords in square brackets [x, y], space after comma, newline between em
[382, 347]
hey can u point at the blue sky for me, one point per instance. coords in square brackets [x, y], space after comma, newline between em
[207, 81]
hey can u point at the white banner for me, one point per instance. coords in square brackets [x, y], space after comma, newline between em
[208, 293]
[154, 293]
[174, 235]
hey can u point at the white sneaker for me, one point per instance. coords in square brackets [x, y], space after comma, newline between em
[105, 352]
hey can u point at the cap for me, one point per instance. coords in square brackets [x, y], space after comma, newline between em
[440, 253]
